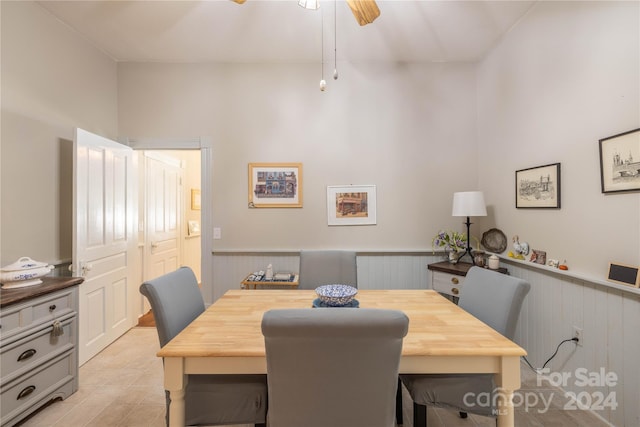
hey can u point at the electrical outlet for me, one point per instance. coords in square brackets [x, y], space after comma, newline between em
[577, 333]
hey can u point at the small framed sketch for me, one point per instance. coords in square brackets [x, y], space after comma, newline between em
[538, 187]
[620, 162]
[194, 228]
[351, 205]
[275, 185]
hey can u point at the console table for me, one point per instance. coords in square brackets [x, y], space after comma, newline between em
[270, 284]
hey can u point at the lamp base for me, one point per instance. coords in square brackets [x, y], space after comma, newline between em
[468, 250]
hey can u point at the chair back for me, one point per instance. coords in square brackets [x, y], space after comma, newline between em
[494, 298]
[327, 267]
[333, 367]
[175, 300]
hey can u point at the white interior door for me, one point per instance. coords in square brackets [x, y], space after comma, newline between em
[163, 178]
[105, 240]
[205, 145]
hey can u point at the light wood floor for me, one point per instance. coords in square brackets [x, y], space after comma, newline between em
[122, 386]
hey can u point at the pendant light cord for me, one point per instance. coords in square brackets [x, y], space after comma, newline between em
[322, 42]
[335, 35]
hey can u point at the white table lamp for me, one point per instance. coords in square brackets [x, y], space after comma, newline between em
[468, 203]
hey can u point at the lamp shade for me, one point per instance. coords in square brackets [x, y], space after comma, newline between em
[469, 203]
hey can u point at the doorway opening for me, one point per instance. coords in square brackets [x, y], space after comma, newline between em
[169, 215]
[203, 146]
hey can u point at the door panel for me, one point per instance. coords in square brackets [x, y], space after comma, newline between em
[163, 177]
[96, 322]
[119, 302]
[105, 187]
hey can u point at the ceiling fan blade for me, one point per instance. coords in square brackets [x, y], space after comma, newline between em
[365, 11]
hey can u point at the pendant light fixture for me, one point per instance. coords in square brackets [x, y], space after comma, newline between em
[323, 83]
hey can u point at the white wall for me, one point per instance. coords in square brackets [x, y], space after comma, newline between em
[566, 76]
[544, 95]
[407, 128]
[52, 81]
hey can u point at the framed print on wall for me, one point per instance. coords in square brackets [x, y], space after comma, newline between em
[351, 205]
[538, 187]
[195, 199]
[620, 162]
[275, 185]
[624, 274]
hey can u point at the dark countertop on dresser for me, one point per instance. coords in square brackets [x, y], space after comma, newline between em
[460, 269]
[48, 285]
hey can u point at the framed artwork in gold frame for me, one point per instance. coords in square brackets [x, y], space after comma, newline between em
[275, 185]
[195, 199]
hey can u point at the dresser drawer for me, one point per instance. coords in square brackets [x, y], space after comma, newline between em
[24, 355]
[9, 321]
[38, 384]
[51, 308]
[449, 284]
[47, 308]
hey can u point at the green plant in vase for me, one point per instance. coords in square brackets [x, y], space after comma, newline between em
[453, 243]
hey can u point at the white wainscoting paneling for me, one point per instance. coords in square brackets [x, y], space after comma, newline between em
[394, 270]
[609, 319]
[383, 270]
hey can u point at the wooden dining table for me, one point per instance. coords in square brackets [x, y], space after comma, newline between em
[442, 338]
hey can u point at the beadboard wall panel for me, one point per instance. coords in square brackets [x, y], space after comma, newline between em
[385, 270]
[394, 271]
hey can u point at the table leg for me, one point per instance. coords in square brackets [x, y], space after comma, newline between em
[175, 381]
[507, 381]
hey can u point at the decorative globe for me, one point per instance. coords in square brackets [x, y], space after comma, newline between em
[336, 295]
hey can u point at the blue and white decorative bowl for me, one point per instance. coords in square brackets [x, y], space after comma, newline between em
[336, 295]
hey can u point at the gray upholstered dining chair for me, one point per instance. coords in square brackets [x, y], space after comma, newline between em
[326, 267]
[176, 301]
[495, 299]
[333, 367]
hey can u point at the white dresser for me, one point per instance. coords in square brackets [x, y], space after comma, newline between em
[448, 279]
[38, 346]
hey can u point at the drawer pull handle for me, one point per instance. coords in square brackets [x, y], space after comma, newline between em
[27, 354]
[52, 307]
[455, 280]
[56, 329]
[26, 391]
[455, 291]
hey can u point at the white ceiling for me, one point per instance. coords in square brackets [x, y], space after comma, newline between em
[281, 31]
